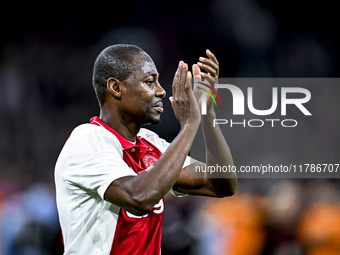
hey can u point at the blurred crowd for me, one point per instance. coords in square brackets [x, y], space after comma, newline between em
[291, 218]
[288, 217]
[45, 91]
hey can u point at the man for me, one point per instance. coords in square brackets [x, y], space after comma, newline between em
[111, 176]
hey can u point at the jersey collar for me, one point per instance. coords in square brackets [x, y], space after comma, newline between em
[125, 143]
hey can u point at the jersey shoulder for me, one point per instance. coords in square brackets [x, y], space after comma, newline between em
[153, 138]
[92, 136]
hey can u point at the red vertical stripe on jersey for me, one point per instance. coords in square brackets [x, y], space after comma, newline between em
[137, 235]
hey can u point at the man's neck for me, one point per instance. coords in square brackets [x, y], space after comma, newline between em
[128, 130]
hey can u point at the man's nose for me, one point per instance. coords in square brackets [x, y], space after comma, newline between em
[160, 92]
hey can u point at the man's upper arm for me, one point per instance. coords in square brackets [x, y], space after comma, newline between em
[93, 161]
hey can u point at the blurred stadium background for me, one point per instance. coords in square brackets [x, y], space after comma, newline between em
[46, 56]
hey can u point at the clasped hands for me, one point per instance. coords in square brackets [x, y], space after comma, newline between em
[186, 101]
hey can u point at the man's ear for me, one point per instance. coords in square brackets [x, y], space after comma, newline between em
[113, 86]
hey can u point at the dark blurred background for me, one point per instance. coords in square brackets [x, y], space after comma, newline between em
[47, 51]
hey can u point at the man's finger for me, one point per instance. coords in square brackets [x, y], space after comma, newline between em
[177, 79]
[171, 99]
[209, 66]
[211, 56]
[188, 83]
[196, 71]
[183, 79]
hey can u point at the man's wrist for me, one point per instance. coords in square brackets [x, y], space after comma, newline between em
[211, 115]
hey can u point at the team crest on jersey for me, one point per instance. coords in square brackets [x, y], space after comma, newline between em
[149, 160]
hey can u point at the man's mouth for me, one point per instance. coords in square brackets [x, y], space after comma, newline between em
[159, 107]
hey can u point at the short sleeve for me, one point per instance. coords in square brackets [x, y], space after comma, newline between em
[93, 159]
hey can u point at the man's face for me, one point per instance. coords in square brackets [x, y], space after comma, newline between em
[142, 94]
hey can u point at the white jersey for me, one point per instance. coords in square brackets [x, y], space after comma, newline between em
[91, 159]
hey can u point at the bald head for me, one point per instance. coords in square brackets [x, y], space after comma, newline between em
[116, 61]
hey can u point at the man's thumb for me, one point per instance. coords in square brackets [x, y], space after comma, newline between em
[171, 98]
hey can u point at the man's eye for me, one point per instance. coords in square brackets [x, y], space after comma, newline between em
[149, 82]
